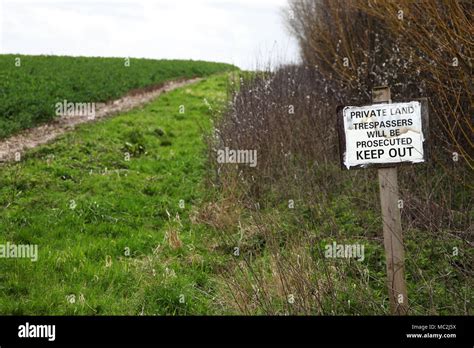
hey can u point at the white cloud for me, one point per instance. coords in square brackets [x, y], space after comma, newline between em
[234, 31]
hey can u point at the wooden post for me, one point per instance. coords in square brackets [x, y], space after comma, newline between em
[392, 227]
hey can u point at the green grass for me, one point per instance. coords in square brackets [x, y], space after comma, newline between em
[30, 86]
[102, 222]
[110, 253]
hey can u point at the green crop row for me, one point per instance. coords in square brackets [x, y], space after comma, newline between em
[30, 86]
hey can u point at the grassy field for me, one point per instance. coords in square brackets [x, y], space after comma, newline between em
[114, 236]
[30, 86]
[160, 233]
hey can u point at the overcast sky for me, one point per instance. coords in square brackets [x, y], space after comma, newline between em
[242, 32]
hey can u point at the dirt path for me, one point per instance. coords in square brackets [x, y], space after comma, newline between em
[33, 137]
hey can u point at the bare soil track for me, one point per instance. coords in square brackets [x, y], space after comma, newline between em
[33, 137]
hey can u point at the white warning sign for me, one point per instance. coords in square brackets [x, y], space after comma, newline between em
[383, 134]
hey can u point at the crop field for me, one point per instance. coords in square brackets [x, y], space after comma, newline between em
[30, 86]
